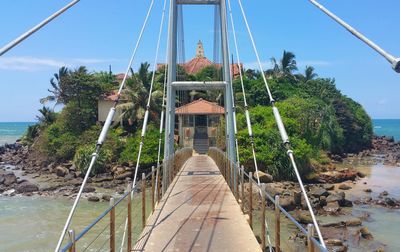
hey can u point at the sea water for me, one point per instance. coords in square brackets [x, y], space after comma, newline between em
[11, 131]
[387, 127]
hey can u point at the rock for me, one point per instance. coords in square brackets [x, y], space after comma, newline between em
[334, 242]
[106, 197]
[70, 175]
[368, 190]
[2, 179]
[344, 187]
[345, 203]
[89, 189]
[322, 201]
[332, 207]
[61, 171]
[318, 192]
[360, 174]
[335, 197]
[328, 187]
[123, 176]
[390, 202]
[274, 189]
[9, 178]
[264, 177]
[26, 187]
[94, 199]
[353, 222]
[364, 232]
[302, 216]
[382, 194]
[287, 202]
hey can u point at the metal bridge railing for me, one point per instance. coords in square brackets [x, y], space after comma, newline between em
[132, 209]
[250, 205]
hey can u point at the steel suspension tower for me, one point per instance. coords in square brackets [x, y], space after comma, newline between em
[173, 85]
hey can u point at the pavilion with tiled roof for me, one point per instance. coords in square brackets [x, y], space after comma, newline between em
[198, 124]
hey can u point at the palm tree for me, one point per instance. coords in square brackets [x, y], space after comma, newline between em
[143, 74]
[309, 73]
[134, 108]
[56, 82]
[285, 66]
[47, 117]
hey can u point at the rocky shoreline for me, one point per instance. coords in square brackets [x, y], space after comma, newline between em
[329, 190]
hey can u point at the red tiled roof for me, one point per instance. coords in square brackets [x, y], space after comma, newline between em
[196, 64]
[119, 77]
[200, 107]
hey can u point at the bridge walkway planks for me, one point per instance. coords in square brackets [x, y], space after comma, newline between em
[198, 213]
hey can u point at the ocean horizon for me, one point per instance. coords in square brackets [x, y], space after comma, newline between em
[12, 131]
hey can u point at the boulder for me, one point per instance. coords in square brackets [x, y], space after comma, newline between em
[304, 217]
[264, 177]
[274, 189]
[94, 199]
[287, 202]
[344, 187]
[368, 190]
[364, 232]
[318, 192]
[335, 197]
[26, 187]
[332, 207]
[9, 178]
[106, 197]
[328, 187]
[61, 171]
[353, 222]
[384, 193]
[124, 175]
[89, 189]
[390, 202]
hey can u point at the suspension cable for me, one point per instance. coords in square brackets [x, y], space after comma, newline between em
[27, 34]
[146, 115]
[104, 131]
[247, 114]
[281, 128]
[393, 60]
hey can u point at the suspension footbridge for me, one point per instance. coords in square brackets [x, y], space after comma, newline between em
[192, 202]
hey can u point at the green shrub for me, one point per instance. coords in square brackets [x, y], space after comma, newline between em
[83, 156]
[149, 151]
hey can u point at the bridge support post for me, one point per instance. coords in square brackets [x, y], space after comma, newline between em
[263, 217]
[310, 234]
[251, 199]
[143, 200]
[170, 104]
[158, 184]
[242, 187]
[112, 225]
[230, 132]
[153, 203]
[72, 240]
[129, 219]
[277, 225]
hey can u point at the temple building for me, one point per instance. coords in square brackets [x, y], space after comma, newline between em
[199, 124]
[200, 61]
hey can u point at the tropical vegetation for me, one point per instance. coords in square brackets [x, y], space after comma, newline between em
[320, 120]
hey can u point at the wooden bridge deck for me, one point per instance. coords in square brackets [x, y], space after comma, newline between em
[198, 213]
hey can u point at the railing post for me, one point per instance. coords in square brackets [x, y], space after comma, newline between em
[242, 187]
[251, 199]
[129, 238]
[310, 234]
[112, 225]
[143, 200]
[263, 217]
[158, 184]
[72, 240]
[277, 225]
[237, 181]
[153, 203]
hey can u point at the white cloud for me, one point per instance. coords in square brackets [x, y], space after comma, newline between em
[34, 64]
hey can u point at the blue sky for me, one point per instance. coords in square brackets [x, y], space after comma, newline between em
[102, 33]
